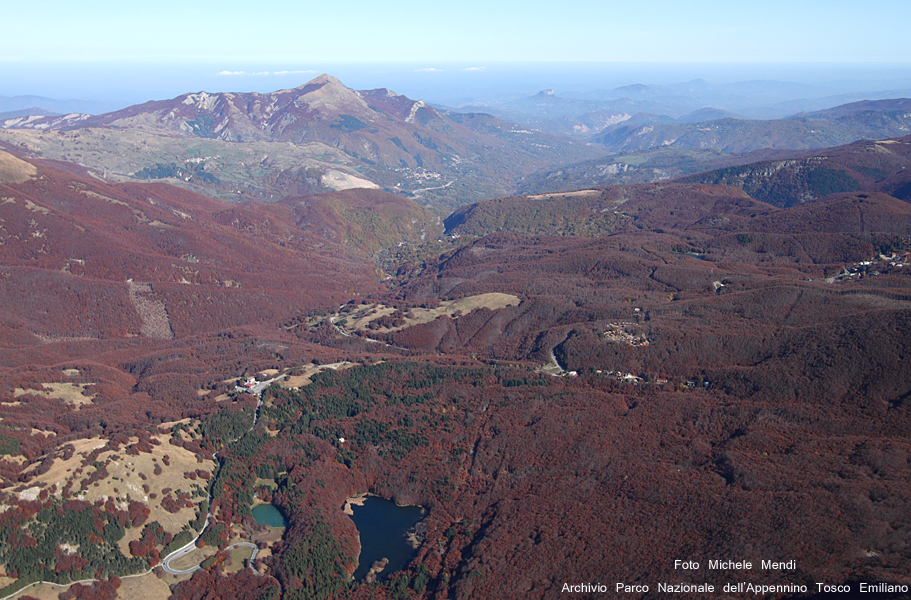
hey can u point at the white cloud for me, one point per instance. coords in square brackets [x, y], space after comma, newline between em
[294, 72]
[475, 69]
[429, 70]
[232, 73]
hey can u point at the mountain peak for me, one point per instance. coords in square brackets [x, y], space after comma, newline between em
[324, 79]
[328, 94]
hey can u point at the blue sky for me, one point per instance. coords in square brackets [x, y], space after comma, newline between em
[479, 30]
[128, 52]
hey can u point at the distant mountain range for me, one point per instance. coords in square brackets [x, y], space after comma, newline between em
[646, 149]
[51, 106]
[313, 138]
[840, 125]
[324, 136]
[861, 168]
[583, 114]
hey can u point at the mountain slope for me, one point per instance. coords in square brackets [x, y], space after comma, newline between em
[384, 140]
[70, 238]
[881, 166]
[729, 389]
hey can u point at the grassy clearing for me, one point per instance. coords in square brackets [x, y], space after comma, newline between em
[361, 317]
[144, 588]
[71, 393]
[566, 195]
[192, 559]
[15, 170]
[43, 591]
[295, 381]
[239, 556]
[123, 482]
[147, 587]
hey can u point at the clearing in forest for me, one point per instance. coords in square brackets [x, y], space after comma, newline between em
[362, 317]
[15, 170]
[128, 477]
[71, 393]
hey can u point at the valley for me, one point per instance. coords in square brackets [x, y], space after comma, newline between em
[585, 383]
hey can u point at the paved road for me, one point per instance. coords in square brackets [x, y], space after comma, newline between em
[166, 563]
[252, 556]
[257, 390]
[183, 551]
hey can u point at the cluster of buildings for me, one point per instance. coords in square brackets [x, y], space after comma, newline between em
[617, 332]
[864, 268]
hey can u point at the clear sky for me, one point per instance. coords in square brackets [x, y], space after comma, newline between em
[467, 30]
[127, 52]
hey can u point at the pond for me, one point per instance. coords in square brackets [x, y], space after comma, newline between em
[384, 527]
[266, 514]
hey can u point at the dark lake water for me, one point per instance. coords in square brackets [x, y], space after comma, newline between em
[266, 514]
[383, 526]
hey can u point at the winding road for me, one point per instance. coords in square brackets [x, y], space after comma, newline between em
[166, 563]
[183, 551]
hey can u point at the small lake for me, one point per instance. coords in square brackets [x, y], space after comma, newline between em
[266, 514]
[383, 527]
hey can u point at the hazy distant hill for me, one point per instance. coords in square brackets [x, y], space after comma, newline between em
[883, 119]
[385, 140]
[26, 112]
[582, 113]
[859, 108]
[639, 166]
[780, 177]
[51, 106]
